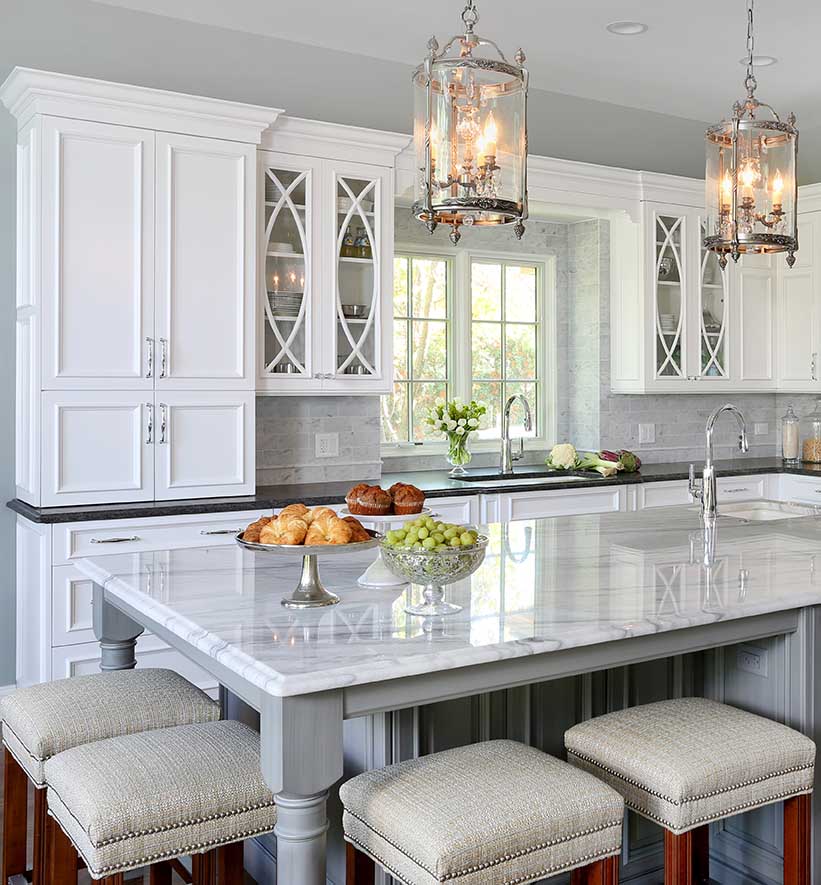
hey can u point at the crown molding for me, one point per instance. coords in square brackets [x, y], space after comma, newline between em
[27, 92]
[316, 138]
[658, 187]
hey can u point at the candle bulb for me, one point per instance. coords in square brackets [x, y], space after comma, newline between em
[778, 188]
[489, 137]
[726, 191]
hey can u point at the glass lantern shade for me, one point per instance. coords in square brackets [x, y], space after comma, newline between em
[470, 134]
[751, 187]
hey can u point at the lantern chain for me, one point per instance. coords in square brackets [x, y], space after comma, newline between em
[750, 81]
[470, 16]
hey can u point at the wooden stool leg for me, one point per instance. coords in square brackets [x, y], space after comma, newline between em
[204, 868]
[61, 868]
[116, 879]
[797, 840]
[602, 872]
[159, 873]
[15, 809]
[687, 857]
[231, 864]
[359, 868]
[40, 852]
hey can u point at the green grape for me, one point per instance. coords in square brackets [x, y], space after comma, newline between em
[418, 546]
[468, 539]
[455, 542]
[423, 533]
[438, 537]
[440, 547]
[428, 543]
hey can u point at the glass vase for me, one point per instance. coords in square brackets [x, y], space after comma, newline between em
[458, 454]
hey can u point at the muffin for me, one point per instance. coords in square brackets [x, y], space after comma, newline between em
[407, 499]
[373, 501]
[352, 498]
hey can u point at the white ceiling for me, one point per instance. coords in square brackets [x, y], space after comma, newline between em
[685, 65]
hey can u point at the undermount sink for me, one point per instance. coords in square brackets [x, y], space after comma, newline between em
[524, 476]
[766, 511]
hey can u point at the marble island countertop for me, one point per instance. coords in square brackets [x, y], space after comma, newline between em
[435, 484]
[545, 585]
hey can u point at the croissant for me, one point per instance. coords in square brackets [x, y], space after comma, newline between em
[358, 532]
[252, 533]
[284, 531]
[325, 531]
[298, 510]
[317, 513]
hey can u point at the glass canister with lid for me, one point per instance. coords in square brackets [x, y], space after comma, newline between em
[790, 437]
[811, 435]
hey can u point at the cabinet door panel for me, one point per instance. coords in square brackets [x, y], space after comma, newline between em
[96, 448]
[98, 254]
[205, 263]
[205, 444]
[756, 316]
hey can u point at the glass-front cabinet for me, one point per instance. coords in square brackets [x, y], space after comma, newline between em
[327, 252]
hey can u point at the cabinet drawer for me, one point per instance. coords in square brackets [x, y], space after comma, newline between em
[79, 660]
[803, 489]
[532, 505]
[460, 511]
[662, 494]
[741, 488]
[75, 540]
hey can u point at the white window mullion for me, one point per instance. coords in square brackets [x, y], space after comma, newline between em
[461, 327]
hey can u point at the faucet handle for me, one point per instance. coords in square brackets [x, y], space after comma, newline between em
[696, 487]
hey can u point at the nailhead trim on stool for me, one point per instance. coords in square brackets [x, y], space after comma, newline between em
[135, 800]
[496, 813]
[687, 762]
[42, 720]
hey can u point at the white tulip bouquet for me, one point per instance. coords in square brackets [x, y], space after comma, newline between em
[456, 419]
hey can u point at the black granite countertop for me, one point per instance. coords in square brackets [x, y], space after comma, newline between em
[435, 484]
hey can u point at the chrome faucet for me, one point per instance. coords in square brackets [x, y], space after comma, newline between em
[705, 491]
[508, 457]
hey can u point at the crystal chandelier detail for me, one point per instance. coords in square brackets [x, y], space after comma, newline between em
[751, 176]
[470, 133]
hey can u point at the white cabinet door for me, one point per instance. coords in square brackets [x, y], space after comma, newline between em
[205, 263]
[561, 502]
[753, 281]
[97, 447]
[205, 444]
[358, 207]
[98, 254]
[799, 312]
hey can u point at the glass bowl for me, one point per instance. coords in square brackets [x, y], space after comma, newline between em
[434, 570]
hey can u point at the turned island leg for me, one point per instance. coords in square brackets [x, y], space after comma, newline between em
[116, 632]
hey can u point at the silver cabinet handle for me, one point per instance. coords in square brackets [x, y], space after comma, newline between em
[813, 367]
[163, 424]
[733, 491]
[114, 540]
[149, 430]
[163, 357]
[221, 531]
[149, 369]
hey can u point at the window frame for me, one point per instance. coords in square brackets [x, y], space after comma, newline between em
[459, 329]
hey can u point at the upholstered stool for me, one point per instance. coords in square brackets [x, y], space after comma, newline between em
[43, 720]
[494, 813]
[146, 798]
[687, 762]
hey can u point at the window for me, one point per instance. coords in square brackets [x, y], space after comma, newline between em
[471, 326]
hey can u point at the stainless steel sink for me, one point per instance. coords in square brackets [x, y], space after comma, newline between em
[494, 479]
[766, 511]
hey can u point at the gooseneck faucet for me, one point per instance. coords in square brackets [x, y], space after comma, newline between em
[508, 457]
[705, 491]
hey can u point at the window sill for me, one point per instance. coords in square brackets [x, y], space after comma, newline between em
[435, 448]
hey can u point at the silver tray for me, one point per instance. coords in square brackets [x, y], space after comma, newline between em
[309, 592]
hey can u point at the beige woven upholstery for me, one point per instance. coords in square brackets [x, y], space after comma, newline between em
[496, 813]
[686, 762]
[43, 720]
[129, 801]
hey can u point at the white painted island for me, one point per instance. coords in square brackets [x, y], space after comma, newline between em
[558, 610]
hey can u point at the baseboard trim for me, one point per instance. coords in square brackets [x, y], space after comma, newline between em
[260, 864]
[7, 689]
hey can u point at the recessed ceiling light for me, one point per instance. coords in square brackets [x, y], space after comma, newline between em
[760, 61]
[627, 29]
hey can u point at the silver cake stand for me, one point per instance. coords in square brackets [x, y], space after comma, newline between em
[310, 592]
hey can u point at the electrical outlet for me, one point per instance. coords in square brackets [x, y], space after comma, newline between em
[761, 428]
[327, 445]
[753, 660]
[647, 434]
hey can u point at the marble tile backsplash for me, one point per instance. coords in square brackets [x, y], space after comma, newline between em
[286, 445]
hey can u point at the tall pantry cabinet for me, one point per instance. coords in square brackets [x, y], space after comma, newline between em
[136, 281]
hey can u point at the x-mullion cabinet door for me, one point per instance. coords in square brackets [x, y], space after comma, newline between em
[97, 255]
[205, 263]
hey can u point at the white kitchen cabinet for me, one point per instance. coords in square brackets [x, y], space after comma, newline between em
[676, 492]
[97, 230]
[459, 511]
[508, 506]
[204, 444]
[97, 446]
[205, 259]
[326, 262]
[798, 317]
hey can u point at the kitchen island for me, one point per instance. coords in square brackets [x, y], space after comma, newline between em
[555, 600]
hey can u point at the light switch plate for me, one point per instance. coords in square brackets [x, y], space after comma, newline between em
[761, 428]
[647, 434]
[327, 445]
[751, 659]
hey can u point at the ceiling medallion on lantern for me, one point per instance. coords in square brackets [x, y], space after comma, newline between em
[470, 132]
[751, 176]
